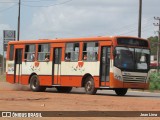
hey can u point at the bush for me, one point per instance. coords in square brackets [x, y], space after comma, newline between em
[154, 81]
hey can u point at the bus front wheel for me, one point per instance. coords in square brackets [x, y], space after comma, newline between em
[121, 91]
[35, 85]
[89, 86]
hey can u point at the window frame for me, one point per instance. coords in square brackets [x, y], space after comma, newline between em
[96, 57]
[72, 52]
[34, 52]
[43, 52]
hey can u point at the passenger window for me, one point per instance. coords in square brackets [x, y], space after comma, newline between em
[90, 51]
[72, 52]
[30, 52]
[43, 52]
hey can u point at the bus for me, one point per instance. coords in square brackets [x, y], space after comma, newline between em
[114, 63]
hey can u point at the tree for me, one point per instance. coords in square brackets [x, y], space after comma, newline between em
[153, 44]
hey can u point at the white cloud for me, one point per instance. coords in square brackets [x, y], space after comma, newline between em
[4, 26]
[82, 18]
[91, 18]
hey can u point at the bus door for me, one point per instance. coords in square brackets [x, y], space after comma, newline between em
[18, 65]
[56, 66]
[105, 65]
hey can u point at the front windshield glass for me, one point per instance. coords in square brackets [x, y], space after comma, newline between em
[142, 58]
[124, 58]
[132, 58]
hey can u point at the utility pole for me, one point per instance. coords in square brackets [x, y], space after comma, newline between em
[140, 18]
[19, 16]
[158, 45]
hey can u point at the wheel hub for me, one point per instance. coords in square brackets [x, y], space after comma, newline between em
[89, 86]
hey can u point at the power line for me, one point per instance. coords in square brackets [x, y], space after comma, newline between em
[132, 28]
[37, 0]
[16, 3]
[8, 8]
[26, 1]
[9, 2]
[46, 5]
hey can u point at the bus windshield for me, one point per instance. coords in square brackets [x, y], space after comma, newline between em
[133, 59]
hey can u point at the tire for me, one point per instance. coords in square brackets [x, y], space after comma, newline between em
[35, 85]
[89, 86]
[121, 91]
[64, 89]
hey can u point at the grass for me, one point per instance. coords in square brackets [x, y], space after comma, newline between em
[154, 81]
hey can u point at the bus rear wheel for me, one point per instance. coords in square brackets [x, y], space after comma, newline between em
[64, 89]
[89, 86]
[121, 91]
[35, 85]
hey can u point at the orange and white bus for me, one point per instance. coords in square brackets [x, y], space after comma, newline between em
[116, 63]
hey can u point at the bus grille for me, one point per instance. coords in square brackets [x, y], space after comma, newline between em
[134, 79]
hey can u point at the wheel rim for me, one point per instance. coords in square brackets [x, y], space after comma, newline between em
[35, 83]
[88, 86]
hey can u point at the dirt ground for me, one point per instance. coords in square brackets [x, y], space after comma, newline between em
[20, 98]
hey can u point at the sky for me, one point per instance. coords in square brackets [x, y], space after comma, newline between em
[49, 19]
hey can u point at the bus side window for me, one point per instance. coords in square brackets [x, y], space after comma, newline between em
[90, 51]
[72, 52]
[43, 52]
[11, 52]
[29, 53]
[67, 56]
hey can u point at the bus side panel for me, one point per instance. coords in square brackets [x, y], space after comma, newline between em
[96, 81]
[45, 80]
[73, 72]
[42, 69]
[25, 79]
[71, 81]
[10, 71]
[114, 83]
[10, 78]
[105, 83]
[76, 81]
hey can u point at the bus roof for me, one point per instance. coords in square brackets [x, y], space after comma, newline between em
[102, 38]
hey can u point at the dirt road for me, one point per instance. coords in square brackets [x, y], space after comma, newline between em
[20, 98]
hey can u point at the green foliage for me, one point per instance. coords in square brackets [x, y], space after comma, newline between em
[154, 81]
[153, 42]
